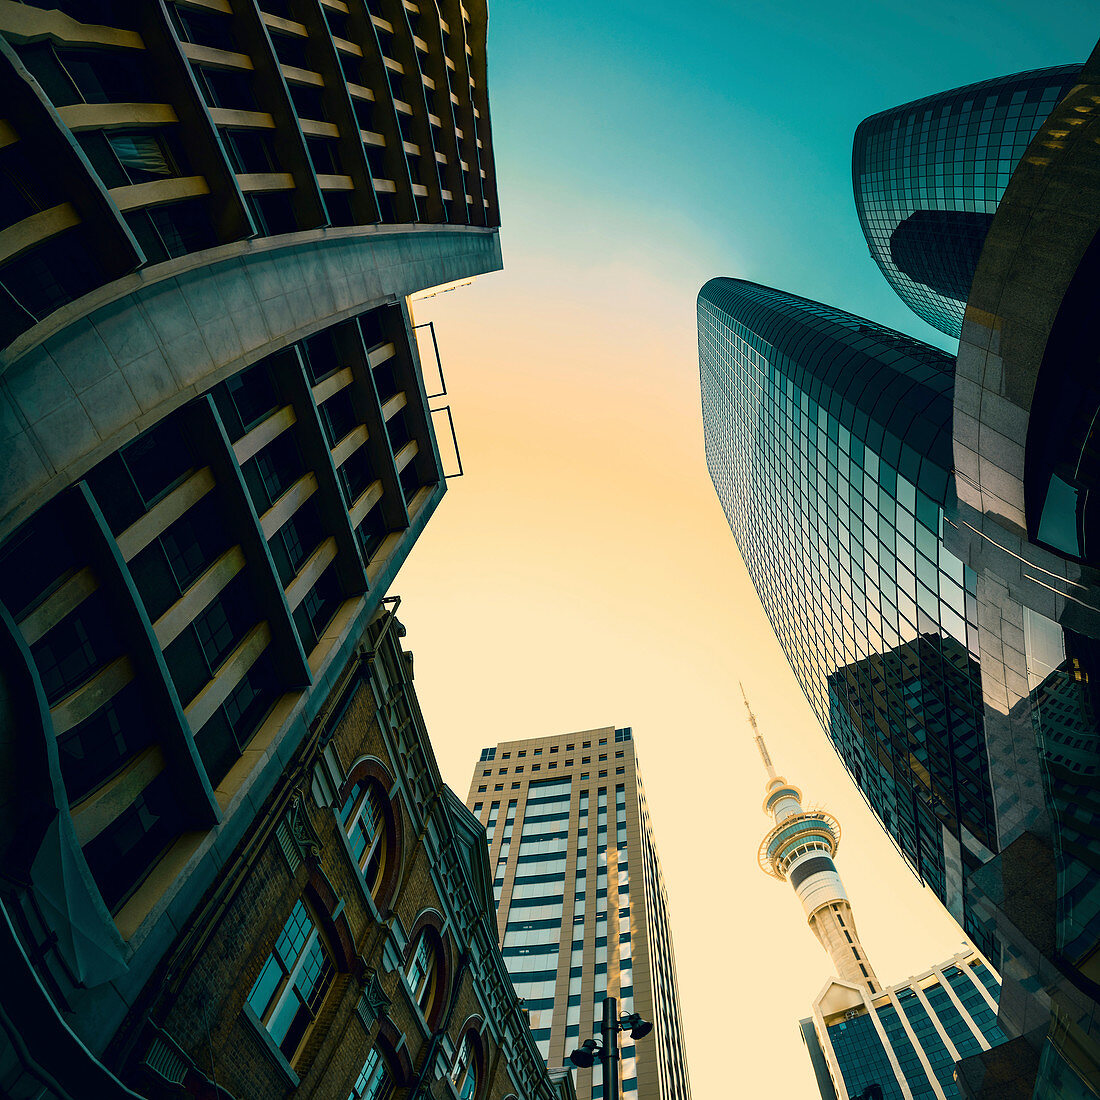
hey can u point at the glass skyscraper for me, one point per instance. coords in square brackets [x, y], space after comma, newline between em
[828, 439]
[907, 1038]
[928, 176]
[581, 903]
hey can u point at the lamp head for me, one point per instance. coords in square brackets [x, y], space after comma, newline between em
[632, 1022]
[586, 1054]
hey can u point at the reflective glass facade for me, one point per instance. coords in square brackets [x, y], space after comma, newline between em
[581, 902]
[1063, 709]
[828, 440]
[908, 1039]
[928, 176]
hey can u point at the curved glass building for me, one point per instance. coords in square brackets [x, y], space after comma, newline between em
[828, 439]
[928, 176]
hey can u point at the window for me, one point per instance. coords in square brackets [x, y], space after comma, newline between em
[293, 982]
[481, 789]
[363, 818]
[374, 1081]
[422, 971]
[464, 1074]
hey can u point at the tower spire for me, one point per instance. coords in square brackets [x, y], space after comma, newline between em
[757, 736]
[800, 848]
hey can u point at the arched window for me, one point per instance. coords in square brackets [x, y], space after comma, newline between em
[363, 817]
[466, 1072]
[293, 981]
[423, 971]
[375, 1081]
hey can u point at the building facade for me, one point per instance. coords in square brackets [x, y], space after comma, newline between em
[349, 947]
[572, 845]
[218, 441]
[906, 1038]
[928, 176]
[1025, 407]
[829, 443]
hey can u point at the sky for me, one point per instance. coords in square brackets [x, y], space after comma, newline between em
[581, 573]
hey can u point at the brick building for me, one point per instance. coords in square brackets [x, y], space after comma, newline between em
[349, 949]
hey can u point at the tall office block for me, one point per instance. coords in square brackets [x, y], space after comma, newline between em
[581, 903]
[828, 440]
[928, 176]
[218, 445]
[906, 1038]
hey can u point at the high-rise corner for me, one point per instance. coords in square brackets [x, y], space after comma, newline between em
[581, 904]
[928, 177]
[828, 441]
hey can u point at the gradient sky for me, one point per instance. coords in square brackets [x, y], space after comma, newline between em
[582, 574]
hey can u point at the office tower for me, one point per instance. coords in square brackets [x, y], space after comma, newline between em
[828, 440]
[800, 848]
[928, 176]
[572, 845]
[217, 436]
[906, 1038]
[1025, 409]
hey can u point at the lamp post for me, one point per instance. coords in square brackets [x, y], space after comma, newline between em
[606, 1048]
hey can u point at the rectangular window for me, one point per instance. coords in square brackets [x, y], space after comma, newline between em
[293, 982]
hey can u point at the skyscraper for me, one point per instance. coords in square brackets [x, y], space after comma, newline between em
[581, 903]
[828, 440]
[928, 176]
[218, 445]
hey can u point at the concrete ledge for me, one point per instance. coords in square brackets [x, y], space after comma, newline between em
[100, 378]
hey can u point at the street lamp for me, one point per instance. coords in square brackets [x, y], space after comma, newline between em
[605, 1049]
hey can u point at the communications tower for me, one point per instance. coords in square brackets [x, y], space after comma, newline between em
[800, 848]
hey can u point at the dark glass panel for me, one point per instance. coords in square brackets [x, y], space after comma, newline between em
[93, 751]
[123, 854]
